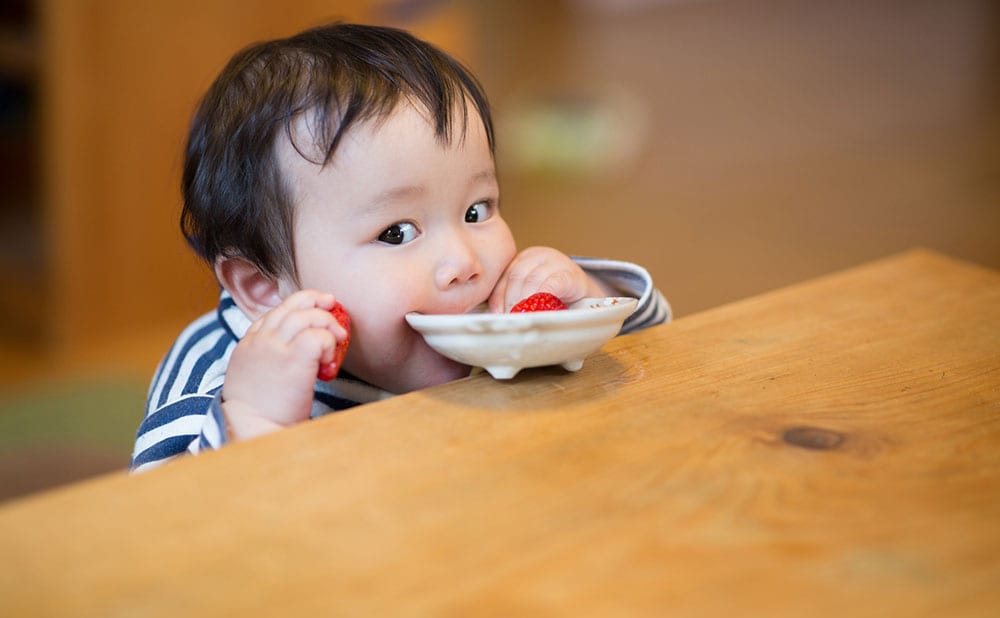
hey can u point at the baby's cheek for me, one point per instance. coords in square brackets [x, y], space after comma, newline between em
[506, 254]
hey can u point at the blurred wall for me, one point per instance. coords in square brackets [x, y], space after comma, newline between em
[120, 81]
[737, 146]
[729, 146]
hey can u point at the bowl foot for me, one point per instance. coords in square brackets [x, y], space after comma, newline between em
[573, 365]
[503, 373]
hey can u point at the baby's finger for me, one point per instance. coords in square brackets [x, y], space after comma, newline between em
[515, 281]
[314, 347]
[307, 299]
[527, 274]
[563, 284]
[524, 283]
[296, 322]
[520, 281]
[496, 299]
[303, 299]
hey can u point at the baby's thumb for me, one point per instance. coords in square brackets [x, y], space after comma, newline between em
[563, 285]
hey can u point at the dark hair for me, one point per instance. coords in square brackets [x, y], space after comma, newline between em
[235, 200]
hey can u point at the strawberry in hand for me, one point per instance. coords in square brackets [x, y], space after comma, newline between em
[330, 370]
[542, 301]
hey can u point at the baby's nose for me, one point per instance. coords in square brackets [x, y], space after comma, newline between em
[460, 265]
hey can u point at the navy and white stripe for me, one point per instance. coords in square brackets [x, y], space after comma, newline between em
[183, 408]
[635, 281]
[182, 411]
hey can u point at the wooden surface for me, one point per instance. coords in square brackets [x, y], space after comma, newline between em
[832, 448]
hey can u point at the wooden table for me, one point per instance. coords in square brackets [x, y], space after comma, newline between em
[830, 449]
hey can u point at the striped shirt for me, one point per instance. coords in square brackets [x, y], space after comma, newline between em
[183, 407]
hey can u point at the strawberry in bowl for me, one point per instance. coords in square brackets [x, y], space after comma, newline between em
[541, 301]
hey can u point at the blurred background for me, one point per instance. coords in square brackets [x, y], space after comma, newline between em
[731, 147]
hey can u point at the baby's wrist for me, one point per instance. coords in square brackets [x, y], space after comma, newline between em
[243, 422]
[600, 289]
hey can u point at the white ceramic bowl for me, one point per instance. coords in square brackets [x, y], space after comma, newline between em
[503, 344]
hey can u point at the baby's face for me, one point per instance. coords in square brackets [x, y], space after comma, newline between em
[399, 222]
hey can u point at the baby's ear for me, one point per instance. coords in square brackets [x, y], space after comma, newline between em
[254, 292]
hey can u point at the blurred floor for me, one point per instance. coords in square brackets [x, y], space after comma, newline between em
[68, 419]
[731, 147]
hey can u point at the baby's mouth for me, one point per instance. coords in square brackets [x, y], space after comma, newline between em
[479, 307]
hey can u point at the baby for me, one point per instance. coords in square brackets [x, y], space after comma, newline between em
[351, 164]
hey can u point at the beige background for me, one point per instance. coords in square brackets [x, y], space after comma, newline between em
[777, 140]
[731, 147]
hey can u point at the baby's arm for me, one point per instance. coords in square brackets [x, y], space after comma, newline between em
[628, 279]
[189, 424]
[182, 408]
[269, 383]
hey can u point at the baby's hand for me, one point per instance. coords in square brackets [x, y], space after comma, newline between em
[543, 269]
[269, 382]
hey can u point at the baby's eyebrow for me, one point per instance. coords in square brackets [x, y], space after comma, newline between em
[385, 199]
[399, 192]
[485, 175]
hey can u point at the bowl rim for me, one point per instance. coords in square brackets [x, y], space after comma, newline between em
[582, 312]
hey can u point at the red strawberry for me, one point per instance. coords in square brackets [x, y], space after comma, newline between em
[331, 369]
[542, 301]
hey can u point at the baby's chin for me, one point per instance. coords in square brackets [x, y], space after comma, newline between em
[421, 368]
[436, 370]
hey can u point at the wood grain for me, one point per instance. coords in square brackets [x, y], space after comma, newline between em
[826, 449]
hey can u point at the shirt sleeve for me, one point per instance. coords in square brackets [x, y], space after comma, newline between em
[187, 425]
[631, 280]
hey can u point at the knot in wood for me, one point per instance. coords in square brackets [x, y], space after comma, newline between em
[814, 438]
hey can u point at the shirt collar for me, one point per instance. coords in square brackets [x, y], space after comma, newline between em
[232, 317]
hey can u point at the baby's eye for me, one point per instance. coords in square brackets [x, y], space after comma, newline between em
[398, 234]
[479, 212]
